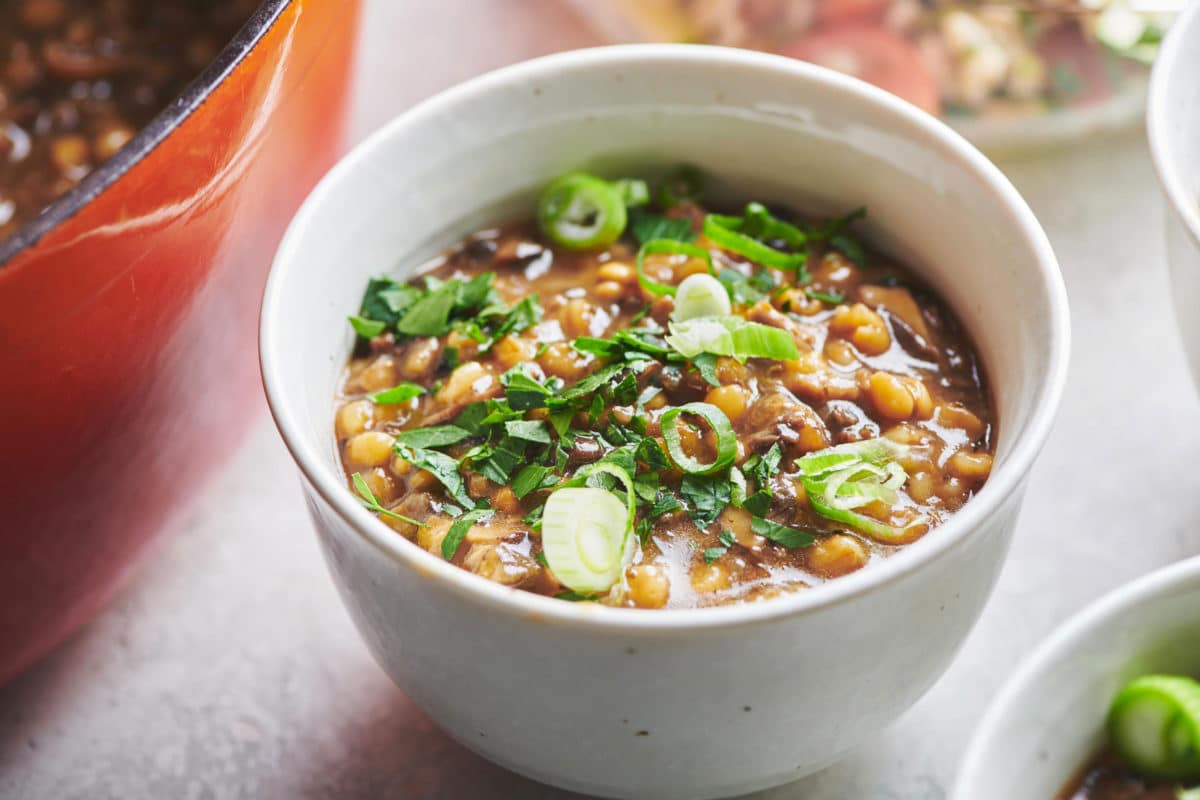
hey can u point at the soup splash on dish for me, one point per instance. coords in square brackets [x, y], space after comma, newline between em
[635, 401]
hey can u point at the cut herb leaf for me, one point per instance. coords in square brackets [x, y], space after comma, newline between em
[647, 226]
[727, 540]
[459, 530]
[523, 392]
[833, 298]
[367, 328]
[531, 478]
[401, 393]
[706, 497]
[781, 534]
[706, 365]
[433, 436]
[429, 316]
[368, 499]
[440, 466]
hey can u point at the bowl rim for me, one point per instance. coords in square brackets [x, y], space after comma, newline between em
[148, 138]
[593, 616]
[1158, 111]
[1056, 647]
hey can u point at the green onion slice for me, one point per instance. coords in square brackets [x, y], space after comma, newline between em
[586, 531]
[671, 247]
[634, 192]
[748, 235]
[731, 336]
[716, 419]
[1154, 726]
[682, 184]
[841, 479]
[581, 212]
[701, 295]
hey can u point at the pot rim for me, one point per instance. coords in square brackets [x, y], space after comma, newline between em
[1005, 481]
[149, 137]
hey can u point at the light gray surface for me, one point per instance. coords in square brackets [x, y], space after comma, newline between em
[229, 670]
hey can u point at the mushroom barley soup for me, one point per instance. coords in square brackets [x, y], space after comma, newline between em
[633, 401]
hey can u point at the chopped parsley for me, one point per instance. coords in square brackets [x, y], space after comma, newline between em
[727, 540]
[401, 393]
[647, 226]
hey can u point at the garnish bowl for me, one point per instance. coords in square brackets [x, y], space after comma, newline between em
[1048, 720]
[1173, 128]
[675, 704]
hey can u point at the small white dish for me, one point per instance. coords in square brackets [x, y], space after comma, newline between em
[1173, 127]
[1048, 720]
[666, 704]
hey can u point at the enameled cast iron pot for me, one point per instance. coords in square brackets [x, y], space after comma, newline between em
[128, 310]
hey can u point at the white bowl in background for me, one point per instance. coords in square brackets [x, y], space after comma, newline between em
[689, 703]
[1048, 720]
[1173, 128]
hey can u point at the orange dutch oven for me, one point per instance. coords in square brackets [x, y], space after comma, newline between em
[128, 367]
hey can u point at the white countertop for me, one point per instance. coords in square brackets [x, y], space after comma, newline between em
[230, 670]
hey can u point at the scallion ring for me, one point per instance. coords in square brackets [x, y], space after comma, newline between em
[1154, 725]
[586, 532]
[700, 295]
[838, 480]
[669, 247]
[721, 427]
[731, 336]
[581, 212]
[740, 235]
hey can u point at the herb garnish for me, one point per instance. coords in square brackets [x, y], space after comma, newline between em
[400, 393]
[368, 499]
[727, 540]
[833, 298]
[459, 530]
[780, 534]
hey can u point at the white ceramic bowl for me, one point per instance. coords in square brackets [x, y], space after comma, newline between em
[693, 703]
[1173, 127]
[1048, 720]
